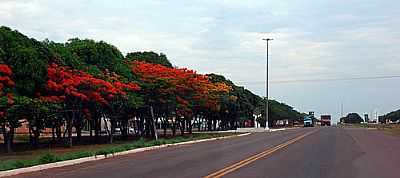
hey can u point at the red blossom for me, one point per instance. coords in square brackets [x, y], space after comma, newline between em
[5, 70]
[67, 82]
[185, 84]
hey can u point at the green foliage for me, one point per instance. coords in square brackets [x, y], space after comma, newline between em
[352, 118]
[37, 112]
[76, 155]
[392, 116]
[62, 55]
[90, 56]
[278, 111]
[95, 53]
[219, 78]
[49, 158]
[15, 111]
[14, 164]
[149, 57]
[28, 59]
[242, 104]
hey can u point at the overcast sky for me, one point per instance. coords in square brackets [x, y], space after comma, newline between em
[313, 40]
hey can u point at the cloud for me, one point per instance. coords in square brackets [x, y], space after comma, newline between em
[313, 39]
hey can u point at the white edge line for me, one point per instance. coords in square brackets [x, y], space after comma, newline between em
[100, 157]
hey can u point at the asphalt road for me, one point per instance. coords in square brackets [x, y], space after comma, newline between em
[304, 152]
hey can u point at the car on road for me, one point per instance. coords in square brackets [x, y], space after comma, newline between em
[308, 121]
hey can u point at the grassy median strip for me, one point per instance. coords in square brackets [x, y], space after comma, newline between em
[51, 157]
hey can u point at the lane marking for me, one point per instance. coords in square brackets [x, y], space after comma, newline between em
[255, 157]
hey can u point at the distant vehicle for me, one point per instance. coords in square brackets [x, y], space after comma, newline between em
[325, 120]
[308, 121]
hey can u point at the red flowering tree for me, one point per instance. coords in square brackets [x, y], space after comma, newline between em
[121, 107]
[79, 90]
[181, 89]
[8, 124]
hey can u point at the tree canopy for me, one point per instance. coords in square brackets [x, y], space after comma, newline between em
[27, 57]
[83, 83]
[352, 118]
[149, 57]
[392, 116]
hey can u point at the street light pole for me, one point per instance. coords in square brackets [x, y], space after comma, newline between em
[266, 84]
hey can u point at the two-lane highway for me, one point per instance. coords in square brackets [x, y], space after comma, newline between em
[304, 152]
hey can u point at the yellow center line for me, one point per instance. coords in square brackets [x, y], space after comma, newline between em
[255, 157]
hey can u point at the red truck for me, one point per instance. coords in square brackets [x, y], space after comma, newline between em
[325, 120]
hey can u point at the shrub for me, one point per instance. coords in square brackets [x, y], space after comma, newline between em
[48, 158]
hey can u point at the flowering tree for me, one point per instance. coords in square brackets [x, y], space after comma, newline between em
[78, 90]
[121, 107]
[182, 90]
[8, 124]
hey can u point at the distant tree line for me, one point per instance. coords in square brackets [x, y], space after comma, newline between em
[393, 116]
[80, 83]
[352, 118]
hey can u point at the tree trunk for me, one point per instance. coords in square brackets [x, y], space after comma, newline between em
[141, 126]
[148, 127]
[112, 131]
[199, 124]
[97, 129]
[214, 124]
[209, 124]
[78, 128]
[36, 134]
[124, 129]
[109, 131]
[91, 128]
[8, 139]
[190, 126]
[53, 135]
[58, 133]
[182, 126]
[173, 128]
[31, 140]
[78, 133]
[8, 143]
[152, 129]
[165, 124]
[69, 131]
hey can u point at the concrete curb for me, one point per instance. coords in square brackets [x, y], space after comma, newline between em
[100, 157]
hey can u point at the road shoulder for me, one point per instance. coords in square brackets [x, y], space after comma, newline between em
[100, 157]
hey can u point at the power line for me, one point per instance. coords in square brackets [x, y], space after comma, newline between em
[324, 80]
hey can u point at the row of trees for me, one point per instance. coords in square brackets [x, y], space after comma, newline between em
[80, 83]
[393, 116]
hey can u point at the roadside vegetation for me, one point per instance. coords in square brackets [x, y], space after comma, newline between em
[392, 129]
[37, 157]
[61, 92]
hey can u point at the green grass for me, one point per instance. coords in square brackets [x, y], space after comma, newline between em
[392, 129]
[51, 157]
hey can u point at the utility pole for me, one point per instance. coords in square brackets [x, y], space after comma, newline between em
[341, 110]
[266, 83]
